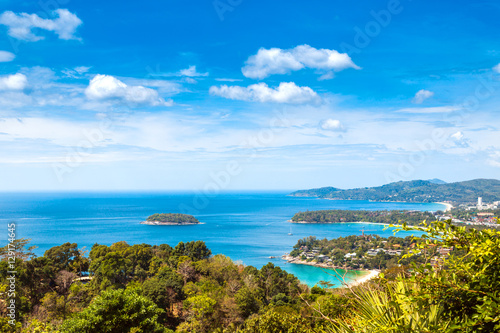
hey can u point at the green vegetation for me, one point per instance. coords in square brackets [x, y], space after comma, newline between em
[380, 216]
[144, 288]
[360, 252]
[415, 191]
[173, 218]
[458, 295]
[117, 311]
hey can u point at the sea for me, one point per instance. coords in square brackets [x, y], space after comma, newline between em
[251, 228]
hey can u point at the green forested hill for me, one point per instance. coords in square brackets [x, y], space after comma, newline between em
[183, 289]
[414, 191]
[383, 216]
[173, 218]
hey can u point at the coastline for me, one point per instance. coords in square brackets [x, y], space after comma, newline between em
[448, 205]
[364, 277]
[293, 260]
[305, 222]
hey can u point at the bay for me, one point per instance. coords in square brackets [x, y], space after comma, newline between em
[249, 227]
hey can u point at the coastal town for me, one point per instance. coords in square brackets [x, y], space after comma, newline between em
[358, 252]
[375, 253]
[479, 214]
[370, 253]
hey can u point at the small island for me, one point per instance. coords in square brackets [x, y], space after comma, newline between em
[171, 219]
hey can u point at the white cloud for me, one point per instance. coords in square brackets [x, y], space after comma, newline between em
[459, 140]
[436, 109]
[457, 136]
[332, 125]
[494, 159]
[223, 79]
[278, 61]
[286, 92]
[190, 80]
[13, 82]
[327, 76]
[76, 72]
[497, 68]
[422, 95]
[106, 87]
[6, 56]
[20, 26]
[82, 69]
[191, 72]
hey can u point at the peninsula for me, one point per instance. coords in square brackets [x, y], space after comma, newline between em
[363, 252]
[433, 190]
[171, 219]
[382, 216]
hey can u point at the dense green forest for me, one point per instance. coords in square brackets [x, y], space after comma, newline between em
[415, 191]
[159, 288]
[378, 216]
[173, 218]
[361, 252]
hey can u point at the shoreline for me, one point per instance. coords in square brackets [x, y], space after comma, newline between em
[366, 276]
[293, 260]
[305, 222]
[167, 223]
[448, 205]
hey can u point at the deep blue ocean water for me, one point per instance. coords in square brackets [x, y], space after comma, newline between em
[248, 227]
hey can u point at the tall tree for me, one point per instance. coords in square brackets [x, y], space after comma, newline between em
[117, 311]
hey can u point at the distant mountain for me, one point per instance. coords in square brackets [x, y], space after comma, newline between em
[437, 181]
[433, 190]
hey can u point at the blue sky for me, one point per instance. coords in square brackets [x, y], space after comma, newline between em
[237, 94]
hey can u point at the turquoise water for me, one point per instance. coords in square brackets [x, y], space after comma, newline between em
[248, 227]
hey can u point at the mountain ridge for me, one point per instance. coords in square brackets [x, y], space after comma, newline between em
[433, 190]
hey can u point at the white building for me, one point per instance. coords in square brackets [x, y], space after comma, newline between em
[479, 203]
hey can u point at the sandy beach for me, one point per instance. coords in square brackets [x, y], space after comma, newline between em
[305, 222]
[362, 279]
[361, 222]
[448, 205]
